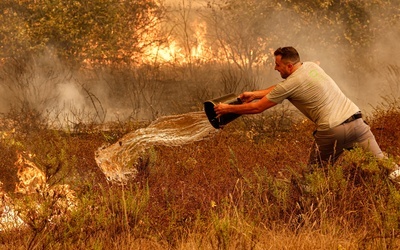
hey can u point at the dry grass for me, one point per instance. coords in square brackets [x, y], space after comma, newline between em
[242, 189]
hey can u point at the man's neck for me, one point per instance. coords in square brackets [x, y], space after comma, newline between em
[296, 66]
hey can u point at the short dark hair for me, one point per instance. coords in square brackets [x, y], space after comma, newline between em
[288, 54]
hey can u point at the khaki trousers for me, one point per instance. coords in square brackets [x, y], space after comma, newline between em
[330, 144]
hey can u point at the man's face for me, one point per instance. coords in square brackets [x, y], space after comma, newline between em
[283, 68]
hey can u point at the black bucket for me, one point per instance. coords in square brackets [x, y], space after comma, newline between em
[224, 119]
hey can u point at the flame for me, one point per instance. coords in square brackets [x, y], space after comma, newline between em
[173, 51]
[9, 218]
[193, 45]
[31, 178]
[33, 181]
[197, 48]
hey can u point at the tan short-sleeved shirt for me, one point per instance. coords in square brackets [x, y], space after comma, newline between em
[316, 95]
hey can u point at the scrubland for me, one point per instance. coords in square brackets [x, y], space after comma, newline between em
[68, 68]
[247, 187]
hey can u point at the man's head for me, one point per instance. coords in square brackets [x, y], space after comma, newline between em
[286, 59]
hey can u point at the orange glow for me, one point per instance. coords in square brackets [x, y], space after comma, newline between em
[195, 50]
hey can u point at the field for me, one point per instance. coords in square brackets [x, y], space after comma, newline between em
[245, 187]
[77, 76]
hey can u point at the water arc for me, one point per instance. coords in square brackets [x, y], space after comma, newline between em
[118, 161]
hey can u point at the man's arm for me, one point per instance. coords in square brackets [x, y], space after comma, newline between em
[253, 95]
[245, 108]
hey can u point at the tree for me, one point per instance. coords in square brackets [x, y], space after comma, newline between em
[241, 31]
[95, 30]
[246, 29]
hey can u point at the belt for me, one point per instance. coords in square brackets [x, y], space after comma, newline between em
[356, 116]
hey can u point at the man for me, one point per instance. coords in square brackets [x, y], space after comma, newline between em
[339, 121]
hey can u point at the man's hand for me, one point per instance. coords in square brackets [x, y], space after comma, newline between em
[221, 109]
[247, 96]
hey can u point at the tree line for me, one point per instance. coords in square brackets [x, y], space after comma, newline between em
[118, 31]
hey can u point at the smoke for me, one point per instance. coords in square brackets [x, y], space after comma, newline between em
[350, 44]
[70, 97]
[43, 83]
[70, 101]
[378, 80]
[362, 65]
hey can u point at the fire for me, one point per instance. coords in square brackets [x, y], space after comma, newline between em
[196, 49]
[9, 218]
[32, 181]
[163, 54]
[31, 178]
[192, 39]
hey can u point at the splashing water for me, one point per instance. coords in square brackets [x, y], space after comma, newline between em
[119, 161]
